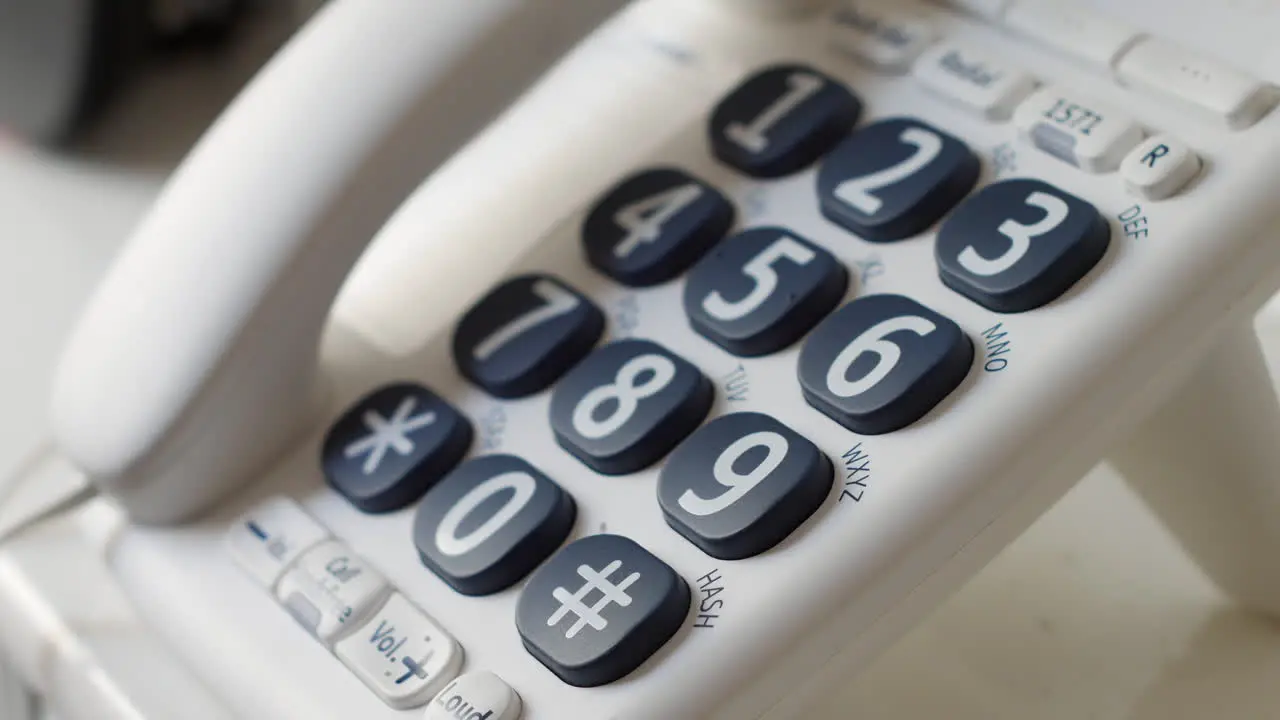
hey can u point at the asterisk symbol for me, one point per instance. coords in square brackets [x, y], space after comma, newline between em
[388, 434]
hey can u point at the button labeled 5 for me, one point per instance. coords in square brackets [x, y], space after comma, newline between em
[741, 484]
[761, 290]
[882, 362]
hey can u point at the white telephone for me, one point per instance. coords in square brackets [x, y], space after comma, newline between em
[742, 338]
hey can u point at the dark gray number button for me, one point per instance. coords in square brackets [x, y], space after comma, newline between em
[627, 405]
[599, 608]
[653, 225]
[1020, 244]
[882, 362]
[392, 445]
[490, 522]
[524, 335]
[741, 484]
[781, 119]
[894, 178]
[761, 290]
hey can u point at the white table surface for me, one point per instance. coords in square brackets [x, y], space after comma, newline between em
[1092, 614]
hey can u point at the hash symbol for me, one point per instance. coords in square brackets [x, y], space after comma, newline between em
[388, 434]
[609, 593]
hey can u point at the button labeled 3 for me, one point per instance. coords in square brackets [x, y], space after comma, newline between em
[741, 484]
[1019, 244]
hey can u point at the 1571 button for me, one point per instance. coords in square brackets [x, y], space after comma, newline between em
[599, 608]
[761, 290]
[490, 522]
[1019, 244]
[882, 362]
[653, 225]
[524, 334]
[894, 178]
[627, 405]
[392, 445]
[741, 484]
[401, 654]
[781, 120]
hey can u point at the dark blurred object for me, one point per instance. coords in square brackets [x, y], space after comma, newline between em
[63, 61]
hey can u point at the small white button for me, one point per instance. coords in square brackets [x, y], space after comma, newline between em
[1072, 28]
[401, 654]
[989, 9]
[1235, 99]
[476, 696]
[1159, 167]
[879, 35]
[974, 80]
[1076, 129]
[268, 538]
[331, 590]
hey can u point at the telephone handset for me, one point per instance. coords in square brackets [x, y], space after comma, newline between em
[742, 338]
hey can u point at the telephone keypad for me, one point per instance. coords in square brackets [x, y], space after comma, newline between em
[761, 290]
[627, 405]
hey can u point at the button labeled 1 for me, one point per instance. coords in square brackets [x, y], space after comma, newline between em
[741, 484]
[331, 590]
[781, 120]
[401, 654]
[882, 362]
[1019, 244]
[490, 522]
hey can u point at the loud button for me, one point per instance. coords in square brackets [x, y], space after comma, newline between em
[476, 696]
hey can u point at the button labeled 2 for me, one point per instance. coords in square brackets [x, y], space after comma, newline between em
[781, 120]
[627, 405]
[894, 178]
[1019, 244]
[882, 362]
[741, 484]
[524, 334]
[490, 522]
[761, 290]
